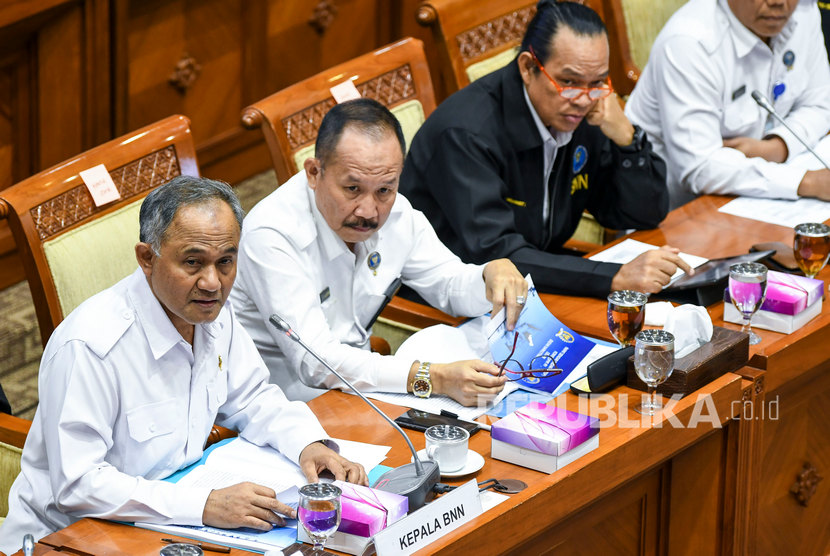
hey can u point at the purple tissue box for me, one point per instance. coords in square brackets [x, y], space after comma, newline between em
[545, 428]
[788, 294]
[366, 511]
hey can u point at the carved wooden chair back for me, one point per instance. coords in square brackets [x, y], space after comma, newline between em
[396, 75]
[72, 249]
[475, 38]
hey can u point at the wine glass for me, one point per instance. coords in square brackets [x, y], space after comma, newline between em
[654, 363]
[747, 287]
[626, 314]
[319, 512]
[811, 246]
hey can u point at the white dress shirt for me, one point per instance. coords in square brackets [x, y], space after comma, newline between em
[125, 401]
[291, 263]
[696, 91]
[551, 143]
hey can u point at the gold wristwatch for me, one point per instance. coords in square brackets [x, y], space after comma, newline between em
[422, 385]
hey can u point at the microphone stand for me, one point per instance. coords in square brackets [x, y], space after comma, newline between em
[765, 104]
[413, 480]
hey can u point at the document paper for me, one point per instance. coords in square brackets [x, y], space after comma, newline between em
[237, 460]
[629, 249]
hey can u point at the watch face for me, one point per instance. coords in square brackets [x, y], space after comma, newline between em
[421, 387]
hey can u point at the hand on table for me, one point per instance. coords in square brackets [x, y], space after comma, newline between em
[245, 505]
[467, 382]
[652, 270]
[504, 286]
[815, 183]
[317, 457]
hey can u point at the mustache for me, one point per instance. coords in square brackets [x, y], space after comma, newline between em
[361, 223]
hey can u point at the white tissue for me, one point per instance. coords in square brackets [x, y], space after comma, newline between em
[691, 327]
[656, 312]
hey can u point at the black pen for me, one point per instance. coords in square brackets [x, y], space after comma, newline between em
[387, 297]
[203, 546]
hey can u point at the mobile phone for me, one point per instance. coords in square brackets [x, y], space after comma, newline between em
[418, 420]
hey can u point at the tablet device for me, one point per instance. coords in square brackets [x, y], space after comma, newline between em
[714, 271]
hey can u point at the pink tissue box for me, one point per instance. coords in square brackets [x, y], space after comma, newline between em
[788, 294]
[366, 511]
[545, 428]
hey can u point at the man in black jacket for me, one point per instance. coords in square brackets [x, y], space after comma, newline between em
[478, 166]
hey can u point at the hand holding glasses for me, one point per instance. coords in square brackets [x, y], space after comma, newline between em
[541, 366]
[747, 288]
[319, 512]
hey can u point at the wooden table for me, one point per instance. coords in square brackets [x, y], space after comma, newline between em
[789, 412]
[647, 489]
[612, 498]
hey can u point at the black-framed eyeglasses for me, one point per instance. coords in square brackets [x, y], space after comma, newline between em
[541, 366]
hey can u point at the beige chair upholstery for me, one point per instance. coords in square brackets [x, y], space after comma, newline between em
[13, 431]
[72, 249]
[632, 27]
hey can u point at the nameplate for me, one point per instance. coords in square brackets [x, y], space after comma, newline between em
[431, 522]
[100, 185]
[344, 91]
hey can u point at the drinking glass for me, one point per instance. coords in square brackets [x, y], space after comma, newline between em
[626, 314]
[319, 512]
[811, 246]
[654, 363]
[747, 287]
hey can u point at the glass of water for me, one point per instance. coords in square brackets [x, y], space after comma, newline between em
[747, 288]
[319, 512]
[654, 363]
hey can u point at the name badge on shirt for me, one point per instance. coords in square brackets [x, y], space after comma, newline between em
[739, 92]
[325, 294]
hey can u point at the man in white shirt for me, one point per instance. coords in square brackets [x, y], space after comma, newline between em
[694, 98]
[132, 381]
[322, 250]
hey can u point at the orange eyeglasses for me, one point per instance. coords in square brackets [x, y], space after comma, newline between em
[573, 93]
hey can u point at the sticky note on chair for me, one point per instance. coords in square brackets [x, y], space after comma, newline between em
[344, 91]
[100, 185]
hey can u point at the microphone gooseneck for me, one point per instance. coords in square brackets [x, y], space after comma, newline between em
[399, 480]
[764, 103]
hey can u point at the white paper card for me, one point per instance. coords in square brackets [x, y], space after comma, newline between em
[629, 249]
[778, 211]
[431, 522]
[344, 91]
[100, 185]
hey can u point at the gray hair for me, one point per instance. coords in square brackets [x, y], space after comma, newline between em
[160, 207]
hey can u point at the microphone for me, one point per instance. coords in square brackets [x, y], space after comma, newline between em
[765, 104]
[413, 480]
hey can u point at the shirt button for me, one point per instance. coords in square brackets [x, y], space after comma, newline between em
[641, 162]
[152, 427]
[626, 163]
[127, 315]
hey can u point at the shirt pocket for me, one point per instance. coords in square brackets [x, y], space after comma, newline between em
[153, 420]
[217, 394]
[740, 119]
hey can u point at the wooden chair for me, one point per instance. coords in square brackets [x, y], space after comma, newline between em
[396, 75]
[13, 431]
[72, 249]
[475, 38]
[632, 27]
